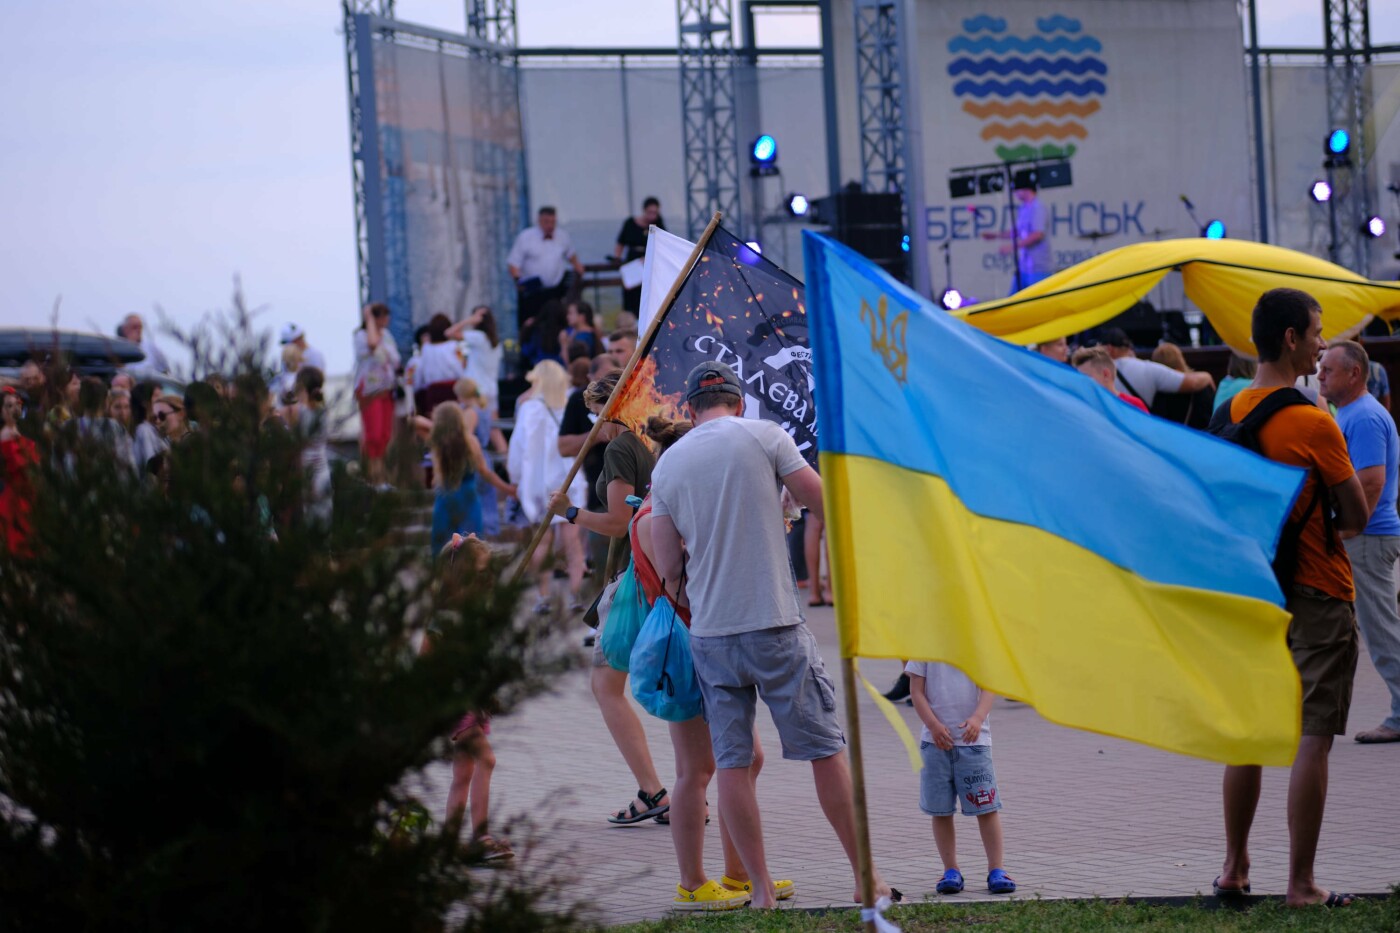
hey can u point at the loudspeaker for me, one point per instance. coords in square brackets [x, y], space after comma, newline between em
[871, 223]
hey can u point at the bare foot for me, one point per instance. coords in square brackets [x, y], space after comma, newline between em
[1316, 895]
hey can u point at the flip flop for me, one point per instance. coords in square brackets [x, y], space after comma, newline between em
[1335, 899]
[1228, 892]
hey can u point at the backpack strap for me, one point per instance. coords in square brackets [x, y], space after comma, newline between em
[1124, 379]
[1272, 404]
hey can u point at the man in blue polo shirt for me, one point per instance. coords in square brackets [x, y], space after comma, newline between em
[1374, 447]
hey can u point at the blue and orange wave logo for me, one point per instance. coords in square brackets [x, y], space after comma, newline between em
[1034, 92]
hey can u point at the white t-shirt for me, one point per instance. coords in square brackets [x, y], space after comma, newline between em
[720, 486]
[953, 697]
[484, 365]
[439, 362]
[1147, 377]
[313, 357]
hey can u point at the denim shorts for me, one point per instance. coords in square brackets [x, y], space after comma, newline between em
[962, 773]
[782, 666]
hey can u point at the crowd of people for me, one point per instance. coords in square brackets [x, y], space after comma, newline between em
[697, 512]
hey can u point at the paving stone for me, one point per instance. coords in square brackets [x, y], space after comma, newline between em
[1085, 815]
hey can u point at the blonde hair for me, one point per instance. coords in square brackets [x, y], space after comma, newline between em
[1169, 354]
[1097, 356]
[448, 442]
[551, 383]
[466, 391]
[291, 358]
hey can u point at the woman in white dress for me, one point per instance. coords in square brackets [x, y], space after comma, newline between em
[538, 470]
[484, 353]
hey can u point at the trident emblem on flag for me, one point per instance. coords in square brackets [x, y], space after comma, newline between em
[887, 337]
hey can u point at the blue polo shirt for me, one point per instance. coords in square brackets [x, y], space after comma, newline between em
[1372, 441]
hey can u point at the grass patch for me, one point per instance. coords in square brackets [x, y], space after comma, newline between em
[1374, 915]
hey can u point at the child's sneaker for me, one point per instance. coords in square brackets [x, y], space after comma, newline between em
[999, 882]
[952, 882]
[709, 896]
[493, 849]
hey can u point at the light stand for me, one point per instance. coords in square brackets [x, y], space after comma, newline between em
[947, 265]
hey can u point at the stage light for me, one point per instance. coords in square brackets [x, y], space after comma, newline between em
[1375, 227]
[756, 246]
[764, 151]
[1338, 142]
[1214, 230]
[797, 205]
[1321, 191]
[951, 299]
[991, 182]
[904, 243]
[962, 186]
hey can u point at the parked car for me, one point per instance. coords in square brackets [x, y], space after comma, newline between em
[88, 354]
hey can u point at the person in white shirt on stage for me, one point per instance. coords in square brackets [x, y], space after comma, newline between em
[539, 260]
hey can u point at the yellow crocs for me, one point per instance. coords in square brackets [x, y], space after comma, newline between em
[784, 889]
[709, 896]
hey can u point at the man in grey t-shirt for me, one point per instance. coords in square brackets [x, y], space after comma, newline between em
[717, 519]
[1144, 378]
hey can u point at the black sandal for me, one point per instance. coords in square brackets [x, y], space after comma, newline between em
[652, 807]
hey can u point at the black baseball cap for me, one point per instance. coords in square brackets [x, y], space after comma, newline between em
[1115, 337]
[711, 376]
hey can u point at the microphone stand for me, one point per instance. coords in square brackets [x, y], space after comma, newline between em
[1191, 212]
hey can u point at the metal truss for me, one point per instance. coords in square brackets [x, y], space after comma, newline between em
[357, 140]
[880, 95]
[493, 21]
[709, 129]
[1347, 48]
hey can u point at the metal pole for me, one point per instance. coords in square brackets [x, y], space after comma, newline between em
[627, 134]
[1259, 177]
[833, 142]
[914, 152]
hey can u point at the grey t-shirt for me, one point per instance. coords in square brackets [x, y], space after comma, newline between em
[1147, 377]
[720, 486]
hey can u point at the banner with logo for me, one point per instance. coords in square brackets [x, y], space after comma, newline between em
[734, 307]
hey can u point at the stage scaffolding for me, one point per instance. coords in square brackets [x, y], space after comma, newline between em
[709, 113]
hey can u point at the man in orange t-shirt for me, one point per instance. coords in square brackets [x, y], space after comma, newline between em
[1322, 635]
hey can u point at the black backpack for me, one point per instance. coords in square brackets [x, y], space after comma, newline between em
[1245, 433]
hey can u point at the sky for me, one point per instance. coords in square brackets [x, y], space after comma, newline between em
[154, 152]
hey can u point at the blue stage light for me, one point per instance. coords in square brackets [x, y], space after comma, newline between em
[1338, 142]
[1214, 230]
[904, 243]
[764, 151]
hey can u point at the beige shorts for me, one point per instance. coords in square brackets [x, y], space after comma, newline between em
[1324, 641]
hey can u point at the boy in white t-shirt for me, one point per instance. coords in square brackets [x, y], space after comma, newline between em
[957, 751]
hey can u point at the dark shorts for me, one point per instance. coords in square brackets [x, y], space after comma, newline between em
[782, 666]
[1325, 645]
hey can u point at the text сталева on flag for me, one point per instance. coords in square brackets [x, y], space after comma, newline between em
[735, 307]
[996, 510]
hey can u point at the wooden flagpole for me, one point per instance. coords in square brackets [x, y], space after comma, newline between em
[632, 364]
[863, 856]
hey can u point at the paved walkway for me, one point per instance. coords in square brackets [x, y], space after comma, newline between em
[1086, 816]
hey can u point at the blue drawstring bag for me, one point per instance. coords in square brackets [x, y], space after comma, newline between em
[663, 670]
[624, 621]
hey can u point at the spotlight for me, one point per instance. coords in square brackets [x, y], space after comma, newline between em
[764, 151]
[1214, 230]
[904, 243]
[962, 186]
[951, 299]
[750, 254]
[1338, 142]
[797, 205]
[1321, 191]
[1374, 227]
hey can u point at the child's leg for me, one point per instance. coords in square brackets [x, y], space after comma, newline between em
[946, 839]
[463, 767]
[484, 758]
[989, 825]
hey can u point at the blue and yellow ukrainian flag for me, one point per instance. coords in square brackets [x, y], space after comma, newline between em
[996, 510]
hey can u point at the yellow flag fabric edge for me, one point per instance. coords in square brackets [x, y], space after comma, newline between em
[1213, 677]
[901, 728]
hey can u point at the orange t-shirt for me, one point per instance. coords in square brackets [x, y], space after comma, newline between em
[1305, 436]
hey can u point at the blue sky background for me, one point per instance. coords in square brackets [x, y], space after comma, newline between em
[152, 150]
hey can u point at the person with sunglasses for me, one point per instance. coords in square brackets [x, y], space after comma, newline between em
[170, 418]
